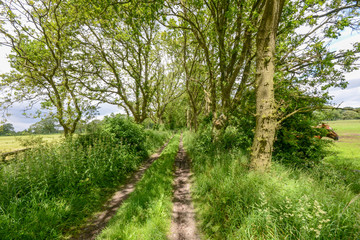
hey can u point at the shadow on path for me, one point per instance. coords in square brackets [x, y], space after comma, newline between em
[183, 224]
[94, 226]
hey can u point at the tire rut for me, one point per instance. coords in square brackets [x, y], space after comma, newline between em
[183, 224]
[94, 226]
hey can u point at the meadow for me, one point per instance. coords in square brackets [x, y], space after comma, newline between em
[51, 190]
[11, 143]
[348, 146]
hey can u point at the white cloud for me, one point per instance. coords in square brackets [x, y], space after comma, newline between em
[345, 43]
[107, 109]
[347, 98]
[4, 64]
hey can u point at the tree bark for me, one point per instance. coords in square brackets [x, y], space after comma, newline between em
[265, 103]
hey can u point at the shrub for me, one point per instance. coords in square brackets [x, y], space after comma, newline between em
[31, 141]
[125, 131]
[296, 145]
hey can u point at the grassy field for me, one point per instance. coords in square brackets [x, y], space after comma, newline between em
[347, 148]
[11, 143]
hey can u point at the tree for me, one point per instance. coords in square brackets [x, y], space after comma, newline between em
[44, 126]
[43, 60]
[224, 31]
[120, 48]
[265, 101]
[7, 129]
[305, 67]
[169, 81]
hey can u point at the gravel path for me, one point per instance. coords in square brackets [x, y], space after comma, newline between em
[183, 224]
[94, 226]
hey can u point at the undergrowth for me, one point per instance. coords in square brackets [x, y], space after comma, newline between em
[286, 203]
[53, 188]
[147, 212]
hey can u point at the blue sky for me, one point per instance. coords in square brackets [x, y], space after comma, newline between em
[349, 97]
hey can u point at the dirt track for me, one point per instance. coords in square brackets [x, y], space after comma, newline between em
[94, 226]
[183, 224]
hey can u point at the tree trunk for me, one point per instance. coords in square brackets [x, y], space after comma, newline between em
[265, 103]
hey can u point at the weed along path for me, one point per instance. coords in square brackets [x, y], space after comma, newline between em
[183, 224]
[94, 226]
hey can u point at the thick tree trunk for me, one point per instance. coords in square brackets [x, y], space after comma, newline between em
[265, 103]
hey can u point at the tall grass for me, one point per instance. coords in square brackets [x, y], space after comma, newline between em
[147, 213]
[233, 203]
[53, 188]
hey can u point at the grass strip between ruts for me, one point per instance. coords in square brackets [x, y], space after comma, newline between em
[147, 212]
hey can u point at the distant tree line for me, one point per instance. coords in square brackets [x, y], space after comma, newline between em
[44, 126]
[333, 114]
[7, 129]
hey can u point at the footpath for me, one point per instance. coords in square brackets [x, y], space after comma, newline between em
[183, 224]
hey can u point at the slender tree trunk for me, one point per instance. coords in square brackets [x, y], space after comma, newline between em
[265, 103]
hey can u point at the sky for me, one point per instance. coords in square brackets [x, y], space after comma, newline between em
[349, 97]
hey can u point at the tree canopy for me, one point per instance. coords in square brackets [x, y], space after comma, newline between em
[180, 63]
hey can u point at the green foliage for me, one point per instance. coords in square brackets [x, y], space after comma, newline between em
[44, 126]
[285, 203]
[346, 113]
[230, 138]
[43, 61]
[244, 122]
[154, 138]
[31, 141]
[125, 131]
[296, 144]
[204, 139]
[51, 189]
[7, 129]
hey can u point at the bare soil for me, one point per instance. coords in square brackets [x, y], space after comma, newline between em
[183, 224]
[94, 226]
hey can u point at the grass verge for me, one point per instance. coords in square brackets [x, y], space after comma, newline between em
[146, 214]
[233, 203]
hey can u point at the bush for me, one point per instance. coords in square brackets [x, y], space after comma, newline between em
[125, 131]
[31, 141]
[296, 145]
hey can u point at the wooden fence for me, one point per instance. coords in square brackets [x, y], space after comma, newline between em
[4, 155]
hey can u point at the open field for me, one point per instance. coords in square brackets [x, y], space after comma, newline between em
[347, 148]
[11, 143]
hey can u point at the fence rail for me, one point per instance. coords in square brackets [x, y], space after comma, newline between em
[4, 155]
